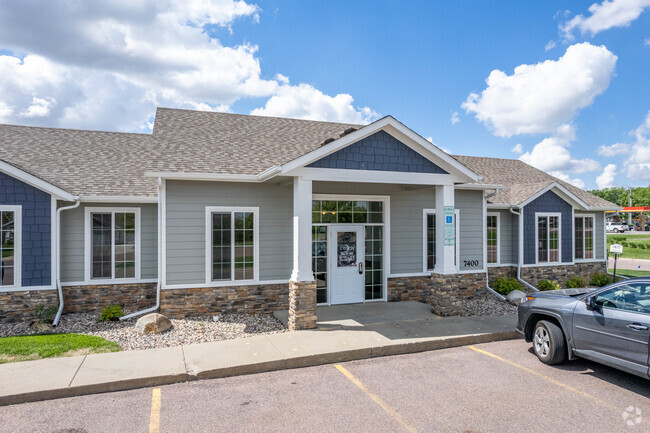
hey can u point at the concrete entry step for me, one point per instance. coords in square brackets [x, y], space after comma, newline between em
[372, 313]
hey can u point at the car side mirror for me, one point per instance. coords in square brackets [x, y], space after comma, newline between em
[591, 303]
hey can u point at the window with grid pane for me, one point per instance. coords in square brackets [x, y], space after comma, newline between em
[319, 261]
[233, 245]
[374, 255]
[7, 248]
[584, 237]
[548, 239]
[492, 239]
[113, 245]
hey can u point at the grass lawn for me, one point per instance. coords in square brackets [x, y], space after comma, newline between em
[630, 272]
[630, 251]
[30, 347]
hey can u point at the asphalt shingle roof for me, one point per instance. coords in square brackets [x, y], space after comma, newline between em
[95, 163]
[522, 181]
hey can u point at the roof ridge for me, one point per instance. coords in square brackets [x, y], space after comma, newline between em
[257, 116]
[11, 125]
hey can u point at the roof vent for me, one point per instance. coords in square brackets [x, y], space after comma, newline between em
[327, 141]
[348, 131]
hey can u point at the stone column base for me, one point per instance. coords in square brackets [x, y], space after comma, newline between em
[302, 305]
[448, 290]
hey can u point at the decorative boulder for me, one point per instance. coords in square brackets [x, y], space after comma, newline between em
[153, 323]
[516, 297]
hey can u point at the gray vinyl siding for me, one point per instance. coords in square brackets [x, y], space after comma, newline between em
[185, 226]
[599, 232]
[470, 238]
[508, 235]
[72, 240]
[406, 218]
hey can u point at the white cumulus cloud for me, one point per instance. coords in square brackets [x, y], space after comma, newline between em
[107, 65]
[638, 164]
[538, 98]
[552, 155]
[605, 15]
[606, 179]
[517, 148]
[454, 118]
[614, 149]
[306, 102]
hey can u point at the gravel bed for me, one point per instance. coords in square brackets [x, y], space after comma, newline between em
[184, 331]
[487, 305]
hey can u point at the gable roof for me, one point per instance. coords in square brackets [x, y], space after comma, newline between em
[523, 181]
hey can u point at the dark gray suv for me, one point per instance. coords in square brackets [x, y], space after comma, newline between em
[610, 325]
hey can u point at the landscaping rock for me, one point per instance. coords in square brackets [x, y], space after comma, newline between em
[40, 327]
[153, 323]
[516, 297]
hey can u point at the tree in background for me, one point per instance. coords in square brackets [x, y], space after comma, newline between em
[619, 195]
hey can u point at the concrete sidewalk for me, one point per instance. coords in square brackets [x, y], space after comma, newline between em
[338, 342]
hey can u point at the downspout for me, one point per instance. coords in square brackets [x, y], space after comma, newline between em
[487, 275]
[155, 307]
[58, 258]
[520, 242]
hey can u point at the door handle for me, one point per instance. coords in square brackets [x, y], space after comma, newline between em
[637, 326]
[360, 267]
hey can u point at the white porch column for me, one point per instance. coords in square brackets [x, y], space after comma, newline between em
[445, 231]
[301, 230]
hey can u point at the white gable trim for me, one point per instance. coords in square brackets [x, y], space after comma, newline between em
[391, 126]
[34, 181]
[564, 194]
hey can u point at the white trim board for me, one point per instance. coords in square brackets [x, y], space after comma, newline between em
[36, 182]
[88, 243]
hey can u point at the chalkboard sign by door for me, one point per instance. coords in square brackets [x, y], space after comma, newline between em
[346, 249]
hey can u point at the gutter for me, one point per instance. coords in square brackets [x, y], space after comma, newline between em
[487, 275]
[157, 305]
[58, 258]
[520, 250]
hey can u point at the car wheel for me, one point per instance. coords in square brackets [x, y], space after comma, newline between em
[615, 230]
[549, 343]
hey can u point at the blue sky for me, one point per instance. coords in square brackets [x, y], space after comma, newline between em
[583, 115]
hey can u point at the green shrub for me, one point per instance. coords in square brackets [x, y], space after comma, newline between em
[545, 285]
[600, 279]
[625, 243]
[506, 285]
[643, 245]
[46, 314]
[575, 282]
[111, 313]
[616, 239]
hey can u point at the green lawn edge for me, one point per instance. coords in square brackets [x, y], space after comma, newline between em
[30, 347]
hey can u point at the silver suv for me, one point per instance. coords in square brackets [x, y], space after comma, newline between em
[610, 325]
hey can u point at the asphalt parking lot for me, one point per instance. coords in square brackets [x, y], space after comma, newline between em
[492, 387]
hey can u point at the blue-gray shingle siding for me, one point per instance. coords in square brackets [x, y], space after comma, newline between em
[37, 229]
[380, 151]
[547, 202]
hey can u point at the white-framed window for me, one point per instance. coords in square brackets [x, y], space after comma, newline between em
[548, 237]
[429, 237]
[232, 244]
[112, 238]
[10, 246]
[493, 224]
[584, 237]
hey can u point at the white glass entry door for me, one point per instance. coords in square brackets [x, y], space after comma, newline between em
[346, 264]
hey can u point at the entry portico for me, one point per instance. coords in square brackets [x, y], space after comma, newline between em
[371, 155]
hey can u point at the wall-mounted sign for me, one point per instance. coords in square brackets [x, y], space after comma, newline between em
[450, 226]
